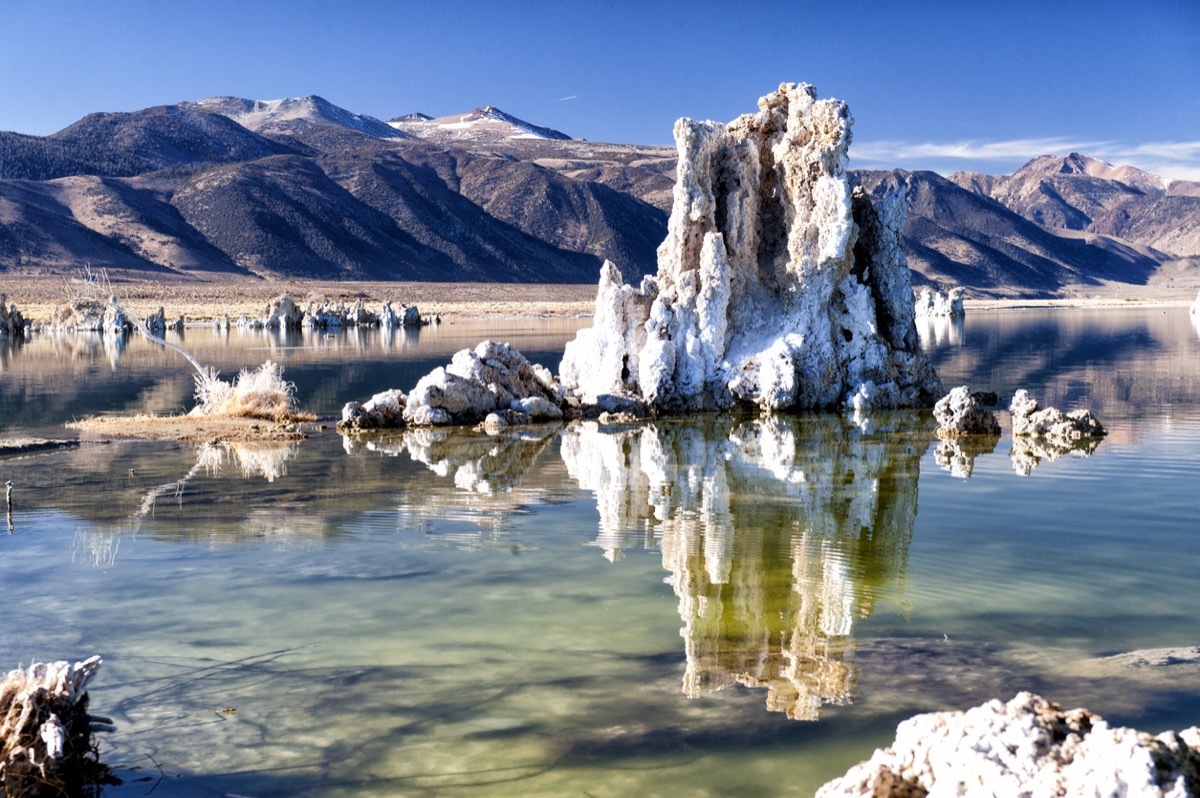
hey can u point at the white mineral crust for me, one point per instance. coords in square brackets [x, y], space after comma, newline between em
[778, 285]
[1024, 748]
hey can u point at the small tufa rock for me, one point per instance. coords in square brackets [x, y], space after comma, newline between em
[960, 413]
[490, 378]
[383, 410]
[932, 303]
[1029, 419]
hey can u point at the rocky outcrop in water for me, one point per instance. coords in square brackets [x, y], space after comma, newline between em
[961, 412]
[1031, 420]
[492, 378]
[492, 383]
[777, 285]
[1026, 747]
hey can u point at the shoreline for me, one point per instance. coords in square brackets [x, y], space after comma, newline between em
[200, 303]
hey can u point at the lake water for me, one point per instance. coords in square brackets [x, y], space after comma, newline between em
[711, 606]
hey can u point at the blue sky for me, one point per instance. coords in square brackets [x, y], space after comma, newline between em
[973, 84]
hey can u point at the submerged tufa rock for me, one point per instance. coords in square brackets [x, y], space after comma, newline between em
[1027, 747]
[777, 285]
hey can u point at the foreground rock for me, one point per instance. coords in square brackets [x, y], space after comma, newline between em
[777, 285]
[1030, 419]
[1027, 747]
[493, 384]
[46, 745]
[961, 412]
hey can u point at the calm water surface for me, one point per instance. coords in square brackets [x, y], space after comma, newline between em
[713, 606]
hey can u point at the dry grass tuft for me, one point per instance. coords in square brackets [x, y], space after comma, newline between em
[261, 393]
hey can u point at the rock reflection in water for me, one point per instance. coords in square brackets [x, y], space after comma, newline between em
[824, 515]
[940, 331]
[1028, 452]
[958, 456]
[478, 462]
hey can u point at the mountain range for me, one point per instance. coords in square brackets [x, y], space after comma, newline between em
[302, 188]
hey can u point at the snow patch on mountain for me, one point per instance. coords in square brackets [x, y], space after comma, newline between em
[257, 114]
[487, 123]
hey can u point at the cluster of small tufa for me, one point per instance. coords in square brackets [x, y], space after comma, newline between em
[961, 412]
[285, 314]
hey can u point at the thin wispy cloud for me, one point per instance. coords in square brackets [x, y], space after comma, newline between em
[564, 99]
[1179, 160]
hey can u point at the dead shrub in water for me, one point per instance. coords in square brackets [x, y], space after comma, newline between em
[46, 745]
[261, 393]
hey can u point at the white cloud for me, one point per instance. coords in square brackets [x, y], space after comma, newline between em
[564, 99]
[1179, 160]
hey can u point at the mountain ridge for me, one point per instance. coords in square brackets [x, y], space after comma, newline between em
[302, 187]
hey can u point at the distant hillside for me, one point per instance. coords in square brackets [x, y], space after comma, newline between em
[959, 237]
[1075, 192]
[302, 188]
[123, 145]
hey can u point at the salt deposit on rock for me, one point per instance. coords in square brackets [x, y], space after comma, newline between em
[1027, 747]
[1029, 419]
[934, 303]
[777, 285]
[960, 413]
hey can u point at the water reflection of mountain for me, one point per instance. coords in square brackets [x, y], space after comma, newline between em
[823, 515]
[1115, 362]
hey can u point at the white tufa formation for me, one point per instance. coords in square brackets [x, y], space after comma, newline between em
[1025, 748]
[933, 303]
[778, 285]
